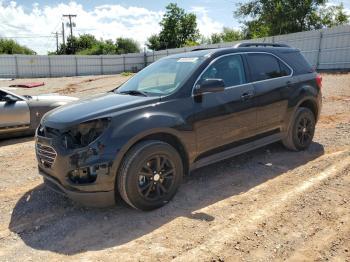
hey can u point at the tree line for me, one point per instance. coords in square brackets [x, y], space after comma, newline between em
[259, 18]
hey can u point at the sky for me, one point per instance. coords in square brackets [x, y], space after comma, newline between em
[33, 23]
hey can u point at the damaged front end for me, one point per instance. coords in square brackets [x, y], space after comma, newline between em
[76, 157]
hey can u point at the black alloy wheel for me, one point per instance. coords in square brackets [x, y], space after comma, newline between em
[156, 177]
[150, 175]
[301, 131]
[305, 131]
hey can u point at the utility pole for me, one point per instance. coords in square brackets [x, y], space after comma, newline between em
[63, 37]
[56, 35]
[70, 23]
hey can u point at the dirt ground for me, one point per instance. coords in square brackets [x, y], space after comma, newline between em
[269, 204]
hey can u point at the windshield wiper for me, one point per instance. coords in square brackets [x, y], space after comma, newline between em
[133, 93]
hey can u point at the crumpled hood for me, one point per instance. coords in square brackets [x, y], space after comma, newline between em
[103, 105]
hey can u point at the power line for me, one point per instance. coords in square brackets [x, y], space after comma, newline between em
[39, 36]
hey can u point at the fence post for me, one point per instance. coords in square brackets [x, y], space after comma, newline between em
[50, 73]
[153, 56]
[124, 67]
[145, 56]
[76, 65]
[319, 50]
[16, 66]
[101, 64]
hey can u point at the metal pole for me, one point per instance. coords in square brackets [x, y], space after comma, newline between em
[145, 56]
[63, 36]
[124, 67]
[101, 63]
[16, 65]
[76, 65]
[56, 42]
[319, 50]
[50, 73]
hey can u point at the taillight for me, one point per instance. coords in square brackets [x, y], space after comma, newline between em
[319, 81]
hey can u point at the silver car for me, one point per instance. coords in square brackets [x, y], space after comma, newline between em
[20, 115]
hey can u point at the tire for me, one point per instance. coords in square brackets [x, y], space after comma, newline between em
[301, 130]
[150, 175]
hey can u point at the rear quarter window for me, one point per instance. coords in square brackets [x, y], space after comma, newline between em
[298, 62]
[265, 66]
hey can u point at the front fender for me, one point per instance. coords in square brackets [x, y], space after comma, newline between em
[127, 133]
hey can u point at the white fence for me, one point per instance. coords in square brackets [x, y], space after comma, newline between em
[327, 49]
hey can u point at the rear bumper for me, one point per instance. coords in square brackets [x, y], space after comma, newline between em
[92, 199]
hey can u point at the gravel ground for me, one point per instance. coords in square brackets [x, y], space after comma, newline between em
[269, 204]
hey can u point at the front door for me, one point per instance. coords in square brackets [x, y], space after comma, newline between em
[14, 115]
[228, 117]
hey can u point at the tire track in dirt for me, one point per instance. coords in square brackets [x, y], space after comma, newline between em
[215, 244]
[168, 242]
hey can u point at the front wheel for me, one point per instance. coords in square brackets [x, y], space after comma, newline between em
[150, 175]
[301, 131]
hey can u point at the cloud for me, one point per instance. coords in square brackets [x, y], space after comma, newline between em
[34, 26]
[105, 21]
[206, 24]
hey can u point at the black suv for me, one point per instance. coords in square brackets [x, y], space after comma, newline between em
[182, 112]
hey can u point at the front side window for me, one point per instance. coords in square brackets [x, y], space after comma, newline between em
[162, 77]
[228, 68]
[265, 66]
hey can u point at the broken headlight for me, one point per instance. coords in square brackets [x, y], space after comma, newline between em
[85, 133]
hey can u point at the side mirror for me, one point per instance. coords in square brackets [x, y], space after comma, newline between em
[10, 99]
[211, 85]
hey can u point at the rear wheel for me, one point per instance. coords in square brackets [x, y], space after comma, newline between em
[150, 175]
[301, 131]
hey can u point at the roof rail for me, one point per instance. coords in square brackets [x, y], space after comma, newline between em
[257, 44]
[202, 48]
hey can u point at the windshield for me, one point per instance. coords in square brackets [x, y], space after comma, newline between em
[162, 77]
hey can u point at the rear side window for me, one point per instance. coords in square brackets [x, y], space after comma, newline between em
[265, 66]
[229, 68]
[298, 62]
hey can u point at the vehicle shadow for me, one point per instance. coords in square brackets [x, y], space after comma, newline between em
[48, 221]
[15, 140]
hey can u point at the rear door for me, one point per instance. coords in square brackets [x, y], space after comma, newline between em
[13, 115]
[229, 116]
[272, 82]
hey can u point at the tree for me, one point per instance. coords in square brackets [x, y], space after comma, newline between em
[100, 48]
[273, 17]
[227, 35]
[332, 16]
[215, 38]
[230, 35]
[127, 45]
[153, 42]
[88, 45]
[11, 47]
[178, 27]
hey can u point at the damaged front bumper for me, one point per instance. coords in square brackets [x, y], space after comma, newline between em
[85, 175]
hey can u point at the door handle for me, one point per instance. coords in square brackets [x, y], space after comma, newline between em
[289, 83]
[247, 95]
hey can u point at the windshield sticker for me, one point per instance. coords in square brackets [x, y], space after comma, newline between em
[187, 60]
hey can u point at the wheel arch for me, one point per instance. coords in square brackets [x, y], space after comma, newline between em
[310, 104]
[166, 135]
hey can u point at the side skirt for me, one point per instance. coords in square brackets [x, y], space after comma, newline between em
[236, 151]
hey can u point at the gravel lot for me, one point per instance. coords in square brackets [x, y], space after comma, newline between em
[269, 204]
